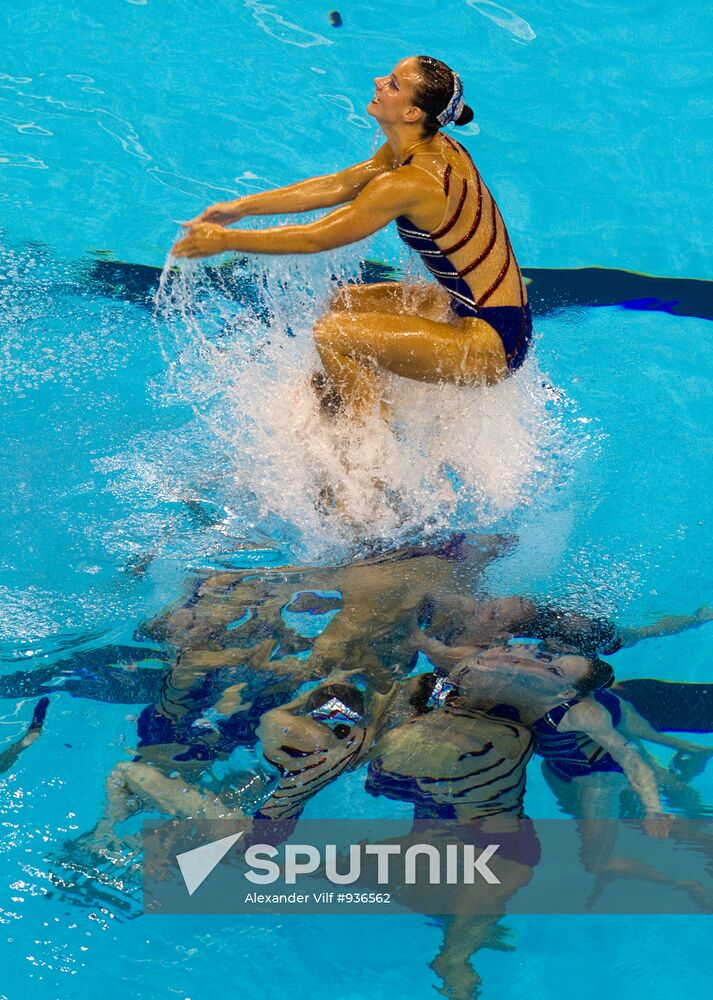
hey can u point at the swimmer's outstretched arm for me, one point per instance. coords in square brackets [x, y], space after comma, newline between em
[316, 192]
[670, 625]
[383, 199]
[635, 725]
[440, 655]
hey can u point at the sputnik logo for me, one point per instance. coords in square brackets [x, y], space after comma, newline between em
[196, 865]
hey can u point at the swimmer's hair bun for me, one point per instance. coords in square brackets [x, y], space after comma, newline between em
[465, 117]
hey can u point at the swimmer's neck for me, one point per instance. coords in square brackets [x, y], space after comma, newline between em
[528, 709]
[403, 142]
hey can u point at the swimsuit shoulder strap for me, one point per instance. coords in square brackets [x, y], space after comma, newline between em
[609, 701]
[556, 714]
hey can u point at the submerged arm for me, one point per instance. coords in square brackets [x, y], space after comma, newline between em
[590, 718]
[635, 725]
[9, 756]
[440, 655]
[669, 625]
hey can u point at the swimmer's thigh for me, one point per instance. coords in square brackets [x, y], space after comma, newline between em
[417, 348]
[420, 298]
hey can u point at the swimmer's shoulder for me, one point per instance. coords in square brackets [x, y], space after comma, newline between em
[587, 716]
[412, 174]
[382, 162]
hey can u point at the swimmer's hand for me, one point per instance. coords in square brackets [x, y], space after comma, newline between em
[222, 214]
[658, 825]
[203, 240]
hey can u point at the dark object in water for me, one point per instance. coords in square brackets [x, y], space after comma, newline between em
[335, 19]
[688, 765]
[330, 402]
[550, 289]
[38, 716]
[673, 706]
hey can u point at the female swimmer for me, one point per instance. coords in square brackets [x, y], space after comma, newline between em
[474, 325]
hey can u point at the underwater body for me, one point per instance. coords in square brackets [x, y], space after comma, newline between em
[172, 581]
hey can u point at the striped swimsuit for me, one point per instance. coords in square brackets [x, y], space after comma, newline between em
[478, 770]
[572, 754]
[513, 324]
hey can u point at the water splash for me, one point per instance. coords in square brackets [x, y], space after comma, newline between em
[239, 348]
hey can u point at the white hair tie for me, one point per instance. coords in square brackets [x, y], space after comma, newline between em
[452, 110]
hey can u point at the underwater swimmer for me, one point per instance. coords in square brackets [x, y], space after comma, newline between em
[474, 325]
[589, 739]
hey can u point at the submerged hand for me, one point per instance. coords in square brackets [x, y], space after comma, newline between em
[221, 213]
[203, 240]
[658, 825]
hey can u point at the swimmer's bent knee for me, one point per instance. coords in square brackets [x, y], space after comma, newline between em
[321, 329]
[339, 299]
[327, 330]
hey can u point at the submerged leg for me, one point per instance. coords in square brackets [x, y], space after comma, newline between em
[9, 756]
[595, 802]
[463, 937]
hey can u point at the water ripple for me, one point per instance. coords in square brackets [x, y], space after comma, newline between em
[284, 31]
[16, 79]
[187, 185]
[26, 128]
[108, 121]
[22, 160]
[343, 102]
[504, 18]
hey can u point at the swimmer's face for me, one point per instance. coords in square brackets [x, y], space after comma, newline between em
[525, 669]
[392, 102]
[312, 733]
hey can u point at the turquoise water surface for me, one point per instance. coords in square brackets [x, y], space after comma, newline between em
[146, 439]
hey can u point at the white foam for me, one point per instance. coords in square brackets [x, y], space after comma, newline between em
[455, 458]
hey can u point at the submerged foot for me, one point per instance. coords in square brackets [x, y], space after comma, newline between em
[330, 401]
[459, 980]
[38, 721]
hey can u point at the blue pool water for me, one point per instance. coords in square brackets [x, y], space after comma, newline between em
[116, 121]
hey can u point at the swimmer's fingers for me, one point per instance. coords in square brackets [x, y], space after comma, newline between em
[203, 217]
[658, 825]
[202, 240]
[222, 213]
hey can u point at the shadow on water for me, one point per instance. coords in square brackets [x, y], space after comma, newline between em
[549, 289]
